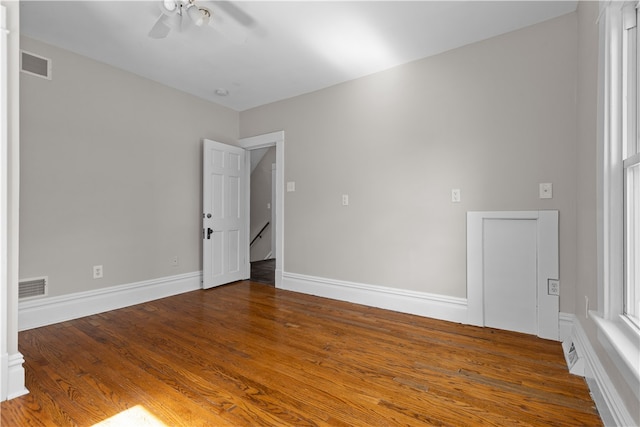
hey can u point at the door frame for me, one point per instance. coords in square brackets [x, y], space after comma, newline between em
[273, 139]
[548, 306]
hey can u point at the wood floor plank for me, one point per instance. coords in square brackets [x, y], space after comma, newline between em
[243, 364]
[250, 354]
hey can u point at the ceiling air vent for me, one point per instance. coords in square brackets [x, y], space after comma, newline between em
[35, 65]
[30, 288]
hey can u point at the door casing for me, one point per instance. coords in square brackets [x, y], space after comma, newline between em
[261, 141]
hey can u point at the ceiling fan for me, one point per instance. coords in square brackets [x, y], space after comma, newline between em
[180, 14]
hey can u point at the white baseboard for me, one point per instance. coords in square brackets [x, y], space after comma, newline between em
[607, 399]
[47, 311]
[565, 326]
[13, 371]
[420, 303]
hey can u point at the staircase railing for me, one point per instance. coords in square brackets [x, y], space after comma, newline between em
[259, 235]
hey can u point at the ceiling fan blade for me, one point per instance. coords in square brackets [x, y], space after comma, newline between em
[184, 22]
[239, 15]
[231, 31]
[160, 30]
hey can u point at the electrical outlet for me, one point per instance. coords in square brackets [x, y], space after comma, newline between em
[97, 272]
[554, 287]
[174, 261]
[345, 200]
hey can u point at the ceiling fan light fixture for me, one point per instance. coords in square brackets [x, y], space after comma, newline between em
[206, 16]
[199, 16]
[169, 7]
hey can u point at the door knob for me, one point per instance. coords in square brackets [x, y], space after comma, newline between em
[209, 231]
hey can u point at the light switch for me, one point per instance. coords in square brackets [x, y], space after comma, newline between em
[546, 190]
[291, 186]
[455, 195]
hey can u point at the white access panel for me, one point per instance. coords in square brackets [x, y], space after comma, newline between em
[511, 256]
[509, 274]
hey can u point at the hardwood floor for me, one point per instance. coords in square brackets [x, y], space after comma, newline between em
[250, 354]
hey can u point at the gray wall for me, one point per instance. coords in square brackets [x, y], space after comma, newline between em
[494, 119]
[111, 174]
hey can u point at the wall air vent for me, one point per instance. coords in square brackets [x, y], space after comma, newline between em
[36, 65]
[29, 288]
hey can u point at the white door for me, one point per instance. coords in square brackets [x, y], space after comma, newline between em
[223, 220]
[510, 276]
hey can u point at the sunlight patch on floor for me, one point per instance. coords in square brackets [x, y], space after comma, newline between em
[136, 416]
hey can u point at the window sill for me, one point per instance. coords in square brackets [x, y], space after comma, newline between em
[622, 343]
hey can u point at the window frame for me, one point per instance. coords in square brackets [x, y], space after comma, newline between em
[630, 156]
[617, 334]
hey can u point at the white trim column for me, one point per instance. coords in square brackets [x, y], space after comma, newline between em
[4, 354]
[12, 375]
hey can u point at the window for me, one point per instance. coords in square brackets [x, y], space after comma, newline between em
[631, 165]
[618, 312]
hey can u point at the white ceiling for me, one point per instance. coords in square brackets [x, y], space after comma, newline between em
[293, 47]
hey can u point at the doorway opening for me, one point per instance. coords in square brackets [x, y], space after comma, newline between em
[265, 203]
[262, 218]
